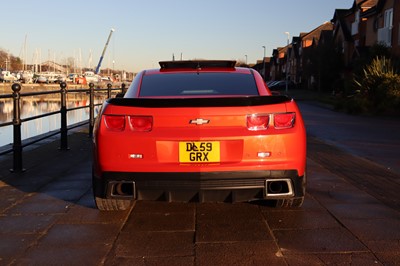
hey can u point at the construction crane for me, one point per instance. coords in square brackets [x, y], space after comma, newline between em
[104, 51]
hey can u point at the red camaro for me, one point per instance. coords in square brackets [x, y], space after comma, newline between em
[199, 131]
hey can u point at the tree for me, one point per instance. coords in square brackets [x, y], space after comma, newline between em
[10, 62]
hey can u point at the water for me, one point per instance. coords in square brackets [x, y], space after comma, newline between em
[37, 105]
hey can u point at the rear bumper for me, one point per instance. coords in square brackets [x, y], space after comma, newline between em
[200, 186]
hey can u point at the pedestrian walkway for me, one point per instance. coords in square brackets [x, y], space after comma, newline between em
[48, 217]
[55, 182]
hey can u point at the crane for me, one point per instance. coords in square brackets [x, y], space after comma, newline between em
[104, 51]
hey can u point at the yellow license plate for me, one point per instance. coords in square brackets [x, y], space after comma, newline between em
[199, 152]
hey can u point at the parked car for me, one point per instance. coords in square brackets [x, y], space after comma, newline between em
[281, 85]
[199, 131]
[71, 77]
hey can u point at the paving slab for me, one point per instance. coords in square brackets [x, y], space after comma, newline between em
[162, 217]
[318, 241]
[154, 244]
[294, 219]
[217, 222]
[345, 258]
[91, 255]
[239, 253]
[152, 261]
[13, 246]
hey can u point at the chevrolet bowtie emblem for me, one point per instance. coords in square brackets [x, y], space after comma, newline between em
[199, 121]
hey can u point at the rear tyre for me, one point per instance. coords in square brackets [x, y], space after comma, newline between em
[290, 203]
[113, 204]
[293, 202]
[104, 204]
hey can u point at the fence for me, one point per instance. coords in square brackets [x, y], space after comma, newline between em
[17, 146]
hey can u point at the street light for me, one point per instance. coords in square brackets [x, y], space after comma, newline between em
[263, 63]
[287, 59]
[246, 58]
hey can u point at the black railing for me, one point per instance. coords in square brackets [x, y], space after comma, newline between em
[17, 145]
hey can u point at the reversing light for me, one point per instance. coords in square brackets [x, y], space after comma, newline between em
[257, 122]
[264, 154]
[115, 122]
[141, 123]
[284, 120]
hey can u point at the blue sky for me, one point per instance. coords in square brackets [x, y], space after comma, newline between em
[150, 31]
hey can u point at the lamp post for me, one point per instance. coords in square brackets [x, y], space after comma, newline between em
[287, 60]
[263, 63]
[246, 58]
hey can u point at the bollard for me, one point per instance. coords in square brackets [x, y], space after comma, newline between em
[17, 142]
[91, 109]
[109, 90]
[63, 112]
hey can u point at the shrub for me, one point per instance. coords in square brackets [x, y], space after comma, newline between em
[379, 87]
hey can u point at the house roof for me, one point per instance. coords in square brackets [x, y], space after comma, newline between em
[367, 3]
[371, 7]
[339, 19]
[326, 36]
[315, 34]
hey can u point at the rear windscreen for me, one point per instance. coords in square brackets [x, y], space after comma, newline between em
[192, 84]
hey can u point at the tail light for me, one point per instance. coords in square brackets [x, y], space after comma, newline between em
[284, 120]
[141, 123]
[137, 123]
[115, 122]
[257, 122]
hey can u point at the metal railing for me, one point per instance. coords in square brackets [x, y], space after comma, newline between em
[17, 145]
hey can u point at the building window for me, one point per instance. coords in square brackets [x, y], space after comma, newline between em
[385, 33]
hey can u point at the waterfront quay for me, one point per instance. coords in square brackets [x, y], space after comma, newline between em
[36, 109]
[5, 88]
[350, 216]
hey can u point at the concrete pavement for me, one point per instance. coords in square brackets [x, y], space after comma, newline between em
[375, 138]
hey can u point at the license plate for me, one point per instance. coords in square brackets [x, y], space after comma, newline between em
[199, 152]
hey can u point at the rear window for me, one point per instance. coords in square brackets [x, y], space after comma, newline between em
[190, 84]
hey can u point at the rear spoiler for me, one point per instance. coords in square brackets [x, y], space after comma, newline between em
[200, 102]
[197, 64]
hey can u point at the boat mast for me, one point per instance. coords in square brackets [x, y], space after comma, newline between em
[104, 51]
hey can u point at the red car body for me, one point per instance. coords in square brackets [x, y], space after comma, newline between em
[176, 135]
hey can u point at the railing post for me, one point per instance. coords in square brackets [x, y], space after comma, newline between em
[17, 143]
[109, 90]
[123, 89]
[91, 109]
[63, 111]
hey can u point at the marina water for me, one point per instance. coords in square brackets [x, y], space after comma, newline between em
[37, 105]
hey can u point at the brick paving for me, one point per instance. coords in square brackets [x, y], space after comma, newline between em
[47, 217]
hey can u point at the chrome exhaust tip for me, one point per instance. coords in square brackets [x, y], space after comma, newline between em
[278, 188]
[122, 189]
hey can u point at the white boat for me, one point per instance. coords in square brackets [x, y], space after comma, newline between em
[91, 77]
[27, 76]
[6, 76]
[40, 79]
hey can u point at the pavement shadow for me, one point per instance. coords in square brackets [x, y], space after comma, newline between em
[50, 173]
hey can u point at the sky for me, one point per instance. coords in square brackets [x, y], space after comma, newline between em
[147, 32]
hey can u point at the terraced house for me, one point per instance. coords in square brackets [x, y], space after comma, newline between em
[320, 58]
